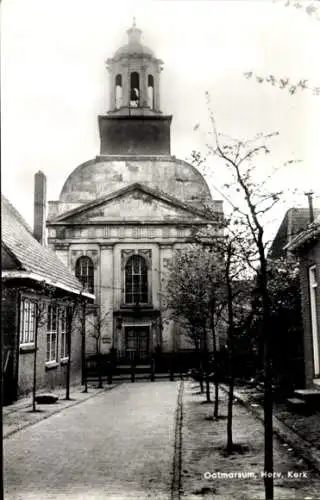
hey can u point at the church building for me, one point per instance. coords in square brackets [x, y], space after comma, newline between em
[121, 215]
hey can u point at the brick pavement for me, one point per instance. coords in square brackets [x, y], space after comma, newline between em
[19, 415]
[117, 445]
[301, 431]
[239, 475]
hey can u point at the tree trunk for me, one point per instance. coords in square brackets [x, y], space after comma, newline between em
[230, 349]
[34, 384]
[215, 361]
[69, 330]
[268, 397]
[206, 364]
[201, 375]
[100, 371]
[84, 380]
[230, 404]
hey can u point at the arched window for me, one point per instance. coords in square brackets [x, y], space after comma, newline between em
[136, 280]
[134, 90]
[150, 91]
[84, 272]
[119, 91]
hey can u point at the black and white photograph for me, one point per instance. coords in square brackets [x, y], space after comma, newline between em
[160, 249]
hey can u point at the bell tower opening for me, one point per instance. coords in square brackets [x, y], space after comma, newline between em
[119, 92]
[134, 90]
[134, 123]
[151, 91]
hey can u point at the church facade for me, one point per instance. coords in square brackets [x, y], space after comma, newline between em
[121, 216]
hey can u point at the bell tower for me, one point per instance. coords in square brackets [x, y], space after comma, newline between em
[134, 123]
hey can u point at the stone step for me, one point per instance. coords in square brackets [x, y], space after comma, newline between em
[308, 395]
[296, 404]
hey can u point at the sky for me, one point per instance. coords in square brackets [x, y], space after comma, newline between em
[55, 84]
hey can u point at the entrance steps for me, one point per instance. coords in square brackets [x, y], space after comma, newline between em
[304, 400]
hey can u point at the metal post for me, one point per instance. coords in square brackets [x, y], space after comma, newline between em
[152, 370]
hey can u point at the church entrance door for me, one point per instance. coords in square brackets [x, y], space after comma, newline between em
[137, 343]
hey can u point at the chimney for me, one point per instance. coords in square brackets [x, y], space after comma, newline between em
[40, 195]
[310, 202]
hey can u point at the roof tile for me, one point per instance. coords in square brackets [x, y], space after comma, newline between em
[33, 257]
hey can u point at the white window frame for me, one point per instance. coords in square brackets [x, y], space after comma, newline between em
[27, 321]
[52, 331]
[136, 294]
[84, 272]
[313, 284]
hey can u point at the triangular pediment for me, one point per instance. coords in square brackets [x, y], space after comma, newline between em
[134, 203]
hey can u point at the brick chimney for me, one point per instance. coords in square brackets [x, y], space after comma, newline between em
[310, 203]
[40, 198]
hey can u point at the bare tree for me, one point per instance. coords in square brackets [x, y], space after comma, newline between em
[97, 324]
[250, 199]
[193, 295]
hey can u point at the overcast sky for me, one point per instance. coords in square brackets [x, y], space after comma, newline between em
[54, 82]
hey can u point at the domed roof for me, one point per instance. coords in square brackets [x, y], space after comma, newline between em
[106, 174]
[133, 48]
[134, 45]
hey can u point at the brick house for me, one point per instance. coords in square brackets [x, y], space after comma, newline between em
[294, 221]
[306, 246]
[35, 280]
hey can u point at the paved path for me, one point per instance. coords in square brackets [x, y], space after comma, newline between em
[117, 445]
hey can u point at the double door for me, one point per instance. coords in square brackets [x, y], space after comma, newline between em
[137, 343]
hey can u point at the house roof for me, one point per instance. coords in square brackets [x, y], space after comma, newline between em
[293, 223]
[33, 260]
[312, 232]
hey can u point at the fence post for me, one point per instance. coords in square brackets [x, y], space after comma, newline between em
[133, 375]
[152, 375]
[172, 368]
[109, 372]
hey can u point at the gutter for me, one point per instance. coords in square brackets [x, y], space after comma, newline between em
[300, 239]
[48, 281]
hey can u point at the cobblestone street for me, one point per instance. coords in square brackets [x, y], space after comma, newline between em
[117, 445]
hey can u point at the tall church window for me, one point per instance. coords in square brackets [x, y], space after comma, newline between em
[134, 90]
[85, 272]
[136, 280]
[119, 91]
[150, 91]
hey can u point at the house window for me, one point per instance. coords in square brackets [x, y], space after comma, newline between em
[313, 284]
[27, 321]
[52, 333]
[64, 353]
[85, 272]
[136, 280]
